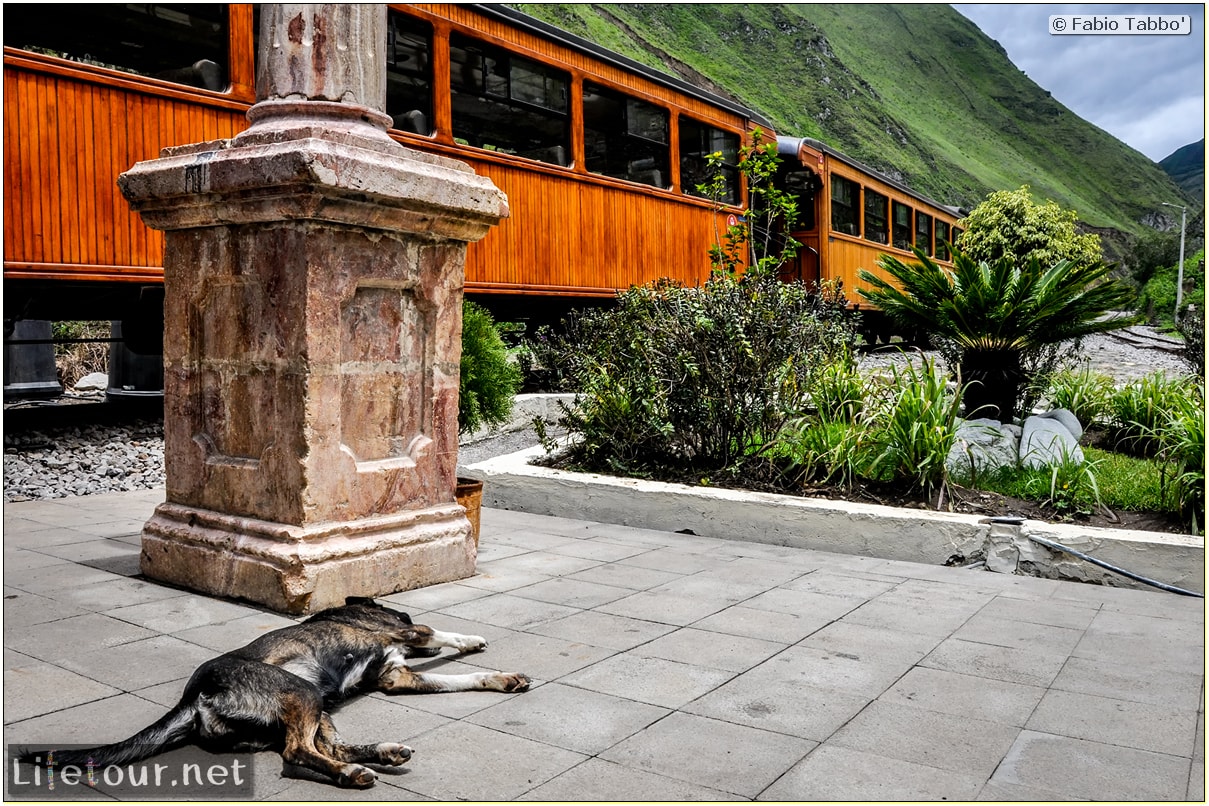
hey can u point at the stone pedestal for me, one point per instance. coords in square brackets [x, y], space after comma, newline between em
[313, 284]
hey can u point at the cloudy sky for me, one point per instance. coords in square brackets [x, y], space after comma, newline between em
[1147, 91]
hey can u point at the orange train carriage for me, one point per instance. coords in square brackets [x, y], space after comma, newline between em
[600, 156]
[850, 214]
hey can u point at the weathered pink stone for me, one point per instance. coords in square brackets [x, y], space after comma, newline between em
[313, 281]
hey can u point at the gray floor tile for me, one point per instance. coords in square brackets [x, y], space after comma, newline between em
[539, 657]
[18, 560]
[23, 609]
[1119, 722]
[510, 611]
[964, 695]
[571, 592]
[999, 631]
[665, 608]
[228, 635]
[650, 680]
[433, 597]
[1031, 611]
[569, 717]
[461, 761]
[1079, 769]
[947, 742]
[96, 722]
[766, 625]
[842, 774]
[139, 663]
[604, 630]
[625, 576]
[707, 752]
[118, 593]
[832, 583]
[675, 560]
[732, 653]
[770, 701]
[599, 780]
[181, 612]
[54, 579]
[996, 662]
[848, 638]
[69, 637]
[35, 687]
[1171, 687]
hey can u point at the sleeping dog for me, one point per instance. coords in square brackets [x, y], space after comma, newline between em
[274, 693]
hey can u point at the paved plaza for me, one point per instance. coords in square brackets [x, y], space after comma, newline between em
[665, 667]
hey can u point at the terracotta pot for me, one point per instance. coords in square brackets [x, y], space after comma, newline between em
[470, 495]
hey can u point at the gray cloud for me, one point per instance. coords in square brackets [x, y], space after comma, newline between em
[1147, 91]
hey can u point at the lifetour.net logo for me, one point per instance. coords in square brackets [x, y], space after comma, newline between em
[188, 773]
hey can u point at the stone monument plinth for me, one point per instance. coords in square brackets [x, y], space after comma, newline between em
[313, 279]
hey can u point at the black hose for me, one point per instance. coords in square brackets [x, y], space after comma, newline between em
[1161, 585]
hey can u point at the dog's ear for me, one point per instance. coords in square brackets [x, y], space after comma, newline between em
[361, 600]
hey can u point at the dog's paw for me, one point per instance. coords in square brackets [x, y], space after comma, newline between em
[509, 682]
[357, 777]
[393, 754]
[471, 643]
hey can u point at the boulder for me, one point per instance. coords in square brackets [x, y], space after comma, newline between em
[983, 446]
[1050, 439]
[92, 382]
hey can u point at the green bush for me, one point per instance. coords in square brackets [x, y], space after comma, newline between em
[1083, 392]
[1157, 297]
[488, 380]
[1142, 408]
[700, 378]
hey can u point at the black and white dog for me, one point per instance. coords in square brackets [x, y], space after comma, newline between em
[274, 693]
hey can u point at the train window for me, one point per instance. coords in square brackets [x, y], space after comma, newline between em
[803, 185]
[876, 223]
[509, 104]
[942, 235]
[409, 73]
[185, 44]
[697, 142]
[900, 227]
[923, 232]
[626, 138]
[845, 206]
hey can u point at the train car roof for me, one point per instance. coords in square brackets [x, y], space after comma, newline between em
[550, 32]
[792, 145]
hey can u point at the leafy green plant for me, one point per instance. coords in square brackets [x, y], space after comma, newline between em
[998, 315]
[1142, 408]
[701, 377]
[918, 427]
[757, 240]
[488, 379]
[1009, 224]
[1083, 392]
[1072, 484]
[839, 391]
[1181, 440]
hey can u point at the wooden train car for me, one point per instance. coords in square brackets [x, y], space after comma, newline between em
[599, 156]
[851, 214]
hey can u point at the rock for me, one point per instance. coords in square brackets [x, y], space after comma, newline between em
[983, 446]
[1047, 441]
[92, 382]
[1067, 419]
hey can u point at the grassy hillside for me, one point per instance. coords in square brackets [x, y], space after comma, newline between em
[916, 91]
[1186, 166]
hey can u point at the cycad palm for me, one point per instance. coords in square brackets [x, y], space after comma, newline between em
[998, 313]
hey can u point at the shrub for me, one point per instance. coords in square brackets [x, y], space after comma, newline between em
[917, 429]
[1001, 318]
[697, 378]
[1182, 449]
[1083, 392]
[1192, 327]
[488, 380]
[1142, 408]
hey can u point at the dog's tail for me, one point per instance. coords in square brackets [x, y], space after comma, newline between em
[168, 732]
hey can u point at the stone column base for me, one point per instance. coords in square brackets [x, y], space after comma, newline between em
[305, 569]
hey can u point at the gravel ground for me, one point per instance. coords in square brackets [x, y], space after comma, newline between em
[50, 461]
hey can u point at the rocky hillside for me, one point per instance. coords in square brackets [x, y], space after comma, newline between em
[1186, 167]
[917, 91]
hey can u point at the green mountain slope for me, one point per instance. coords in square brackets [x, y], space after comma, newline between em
[1186, 167]
[916, 91]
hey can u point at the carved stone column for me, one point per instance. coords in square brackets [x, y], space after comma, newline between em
[313, 283]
